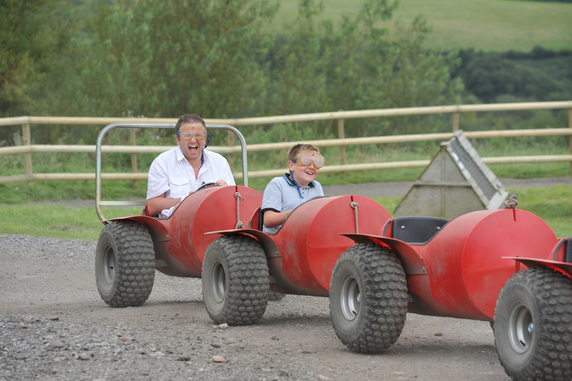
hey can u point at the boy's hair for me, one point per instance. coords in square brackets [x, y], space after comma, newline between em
[294, 151]
[189, 119]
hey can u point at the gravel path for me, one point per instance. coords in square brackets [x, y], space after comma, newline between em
[54, 326]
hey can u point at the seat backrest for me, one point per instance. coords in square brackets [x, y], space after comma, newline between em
[417, 229]
[257, 220]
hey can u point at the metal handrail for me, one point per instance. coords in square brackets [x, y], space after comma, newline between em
[99, 203]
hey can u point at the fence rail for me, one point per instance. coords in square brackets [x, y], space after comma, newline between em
[27, 148]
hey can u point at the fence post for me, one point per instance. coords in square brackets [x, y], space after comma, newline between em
[133, 134]
[456, 121]
[570, 138]
[27, 141]
[342, 135]
[230, 142]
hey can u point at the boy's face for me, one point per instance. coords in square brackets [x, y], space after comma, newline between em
[306, 168]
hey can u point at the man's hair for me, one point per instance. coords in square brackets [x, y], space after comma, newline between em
[294, 151]
[189, 119]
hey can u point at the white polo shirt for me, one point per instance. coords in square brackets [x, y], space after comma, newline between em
[172, 175]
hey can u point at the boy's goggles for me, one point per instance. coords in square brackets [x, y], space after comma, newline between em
[306, 158]
[186, 134]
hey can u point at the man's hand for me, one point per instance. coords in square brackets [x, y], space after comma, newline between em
[221, 183]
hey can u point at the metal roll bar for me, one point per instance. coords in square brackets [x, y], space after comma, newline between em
[99, 203]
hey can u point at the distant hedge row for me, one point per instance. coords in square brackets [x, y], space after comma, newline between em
[540, 75]
[554, 1]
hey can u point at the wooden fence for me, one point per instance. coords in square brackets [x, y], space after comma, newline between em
[455, 110]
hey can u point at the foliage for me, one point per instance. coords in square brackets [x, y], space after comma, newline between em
[142, 58]
[167, 58]
[319, 66]
[232, 58]
[34, 39]
[492, 76]
[553, 1]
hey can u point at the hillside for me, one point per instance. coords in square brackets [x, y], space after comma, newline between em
[489, 25]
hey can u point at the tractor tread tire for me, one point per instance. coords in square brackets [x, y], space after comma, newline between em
[383, 293]
[546, 294]
[247, 280]
[128, 247]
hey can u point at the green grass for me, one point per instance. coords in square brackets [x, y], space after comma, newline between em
[553, 205]
[489, 25]
[56, 221]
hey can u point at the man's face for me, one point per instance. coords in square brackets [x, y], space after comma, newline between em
[192, 139]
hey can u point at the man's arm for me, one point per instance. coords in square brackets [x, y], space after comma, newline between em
[156, 204]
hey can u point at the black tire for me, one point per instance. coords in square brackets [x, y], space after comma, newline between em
[533, 326]
[235, 280]
[368, 298]
[124, 264]
[275, 296]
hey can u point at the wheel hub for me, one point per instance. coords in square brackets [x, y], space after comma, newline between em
[219, 282]
[521, 328]
[109, 265]
[350, 298]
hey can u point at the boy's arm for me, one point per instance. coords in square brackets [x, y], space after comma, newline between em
[272, 205]
[273, 219]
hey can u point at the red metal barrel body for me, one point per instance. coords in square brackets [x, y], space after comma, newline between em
[181, 243]
[465, 268]
[309, 242]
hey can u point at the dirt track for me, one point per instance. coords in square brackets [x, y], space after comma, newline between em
[54, 326]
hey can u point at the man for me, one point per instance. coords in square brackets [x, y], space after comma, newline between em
[177, 173]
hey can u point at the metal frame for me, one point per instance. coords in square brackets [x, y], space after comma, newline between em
[99, 203]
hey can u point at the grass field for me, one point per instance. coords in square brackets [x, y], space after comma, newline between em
[488, 25]
[553, 205]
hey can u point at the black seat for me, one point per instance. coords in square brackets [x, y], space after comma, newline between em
[417, 229]
[567, 242]
[257, 221]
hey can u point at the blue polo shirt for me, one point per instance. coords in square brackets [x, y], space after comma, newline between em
[283, 194]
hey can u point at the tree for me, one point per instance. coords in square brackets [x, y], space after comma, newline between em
[357, 65]
[32, 33]
[162, 59]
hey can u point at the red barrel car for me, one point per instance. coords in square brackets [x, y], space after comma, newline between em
[130, 248]
[502, 266]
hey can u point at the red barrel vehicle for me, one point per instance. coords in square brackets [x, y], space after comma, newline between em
[502, 266]
[129, 249]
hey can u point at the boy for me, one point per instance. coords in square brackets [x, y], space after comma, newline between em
[285, 193]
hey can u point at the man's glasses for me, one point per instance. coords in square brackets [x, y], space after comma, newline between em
[188, 135]
[306, 158]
